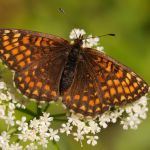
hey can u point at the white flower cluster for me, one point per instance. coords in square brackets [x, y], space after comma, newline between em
[130, 116]
[88, 41]
[7, 105]
[38, 131]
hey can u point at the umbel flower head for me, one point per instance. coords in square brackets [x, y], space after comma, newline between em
[38, 130]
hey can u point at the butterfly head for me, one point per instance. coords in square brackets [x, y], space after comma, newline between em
[78, 42]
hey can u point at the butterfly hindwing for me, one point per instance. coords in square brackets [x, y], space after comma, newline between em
[37, 59]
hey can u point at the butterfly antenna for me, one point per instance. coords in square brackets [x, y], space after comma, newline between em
[75, 33]
[110, 34]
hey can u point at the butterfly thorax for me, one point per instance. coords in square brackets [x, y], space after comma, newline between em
[70, 66]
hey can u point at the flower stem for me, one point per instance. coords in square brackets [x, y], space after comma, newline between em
[59, 115]
[27, 111]
[56, 145]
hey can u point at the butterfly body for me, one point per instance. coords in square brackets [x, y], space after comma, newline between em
[70, 67]
[47, 66]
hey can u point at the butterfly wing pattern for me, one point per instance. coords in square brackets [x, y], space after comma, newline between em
[102, 83]
[47, 67]
[37, 60]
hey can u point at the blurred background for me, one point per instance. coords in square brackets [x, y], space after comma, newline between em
[129, 20]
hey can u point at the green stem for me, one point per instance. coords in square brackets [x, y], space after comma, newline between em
[27, 111]
[61, 120]
[46, 107]
[39, 110]
[59, 115]
[56, 145]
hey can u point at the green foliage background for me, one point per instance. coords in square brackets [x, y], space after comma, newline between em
[128, 19]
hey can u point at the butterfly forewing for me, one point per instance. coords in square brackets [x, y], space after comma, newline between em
[38, 60]
[119, 79]
[101, 83]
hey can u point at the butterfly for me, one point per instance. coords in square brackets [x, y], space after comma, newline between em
[47, 67]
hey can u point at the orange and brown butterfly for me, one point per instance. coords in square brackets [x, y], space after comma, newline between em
[47, 67]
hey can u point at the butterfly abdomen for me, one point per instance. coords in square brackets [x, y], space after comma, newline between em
[69, 70]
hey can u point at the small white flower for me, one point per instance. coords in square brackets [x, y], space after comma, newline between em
[94, 128]
[74, 119]
[104, 119]
[78, 135]
[22, 124]
[115, 115]
[4, 139]
[131, 121]
[10, 119]
[2, 85]
[46, 119]
[3, 96]
[100, 48]
[43, 142]
[53, 135]
[28, 135]
[2, 111]
[15, 146]
[34, 124]
[66, 128]
[92, 140]
[76, 33]
[31, 146]
[90, 41]
[11, 106]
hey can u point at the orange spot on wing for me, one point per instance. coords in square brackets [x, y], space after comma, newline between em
[5, 43]
[128, 75]
[119, 74]
[77, 97]
[85, 98]
[17, 35]
[27, 52]
[122, 98]
[97, 101]
[22, 48]
[25, 40]
[22, 64]
[35, 92]
[9, 47]
[19, 57]
[46, 87]
[131, 88]
[37, 43]
[31, 84]
[5, 37]
[91, 102]
[68, 98]
[6, 56]
[106, 95]
[120, 90]
[83, 108]
[116, 82]
[108, 68]
[135, 84]
[127, 90]
[109, 82]
[22, 85]
[27, 79]
[98, 109]
[15, 51]
[112, 91]
[39, 84]
[53, 93]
